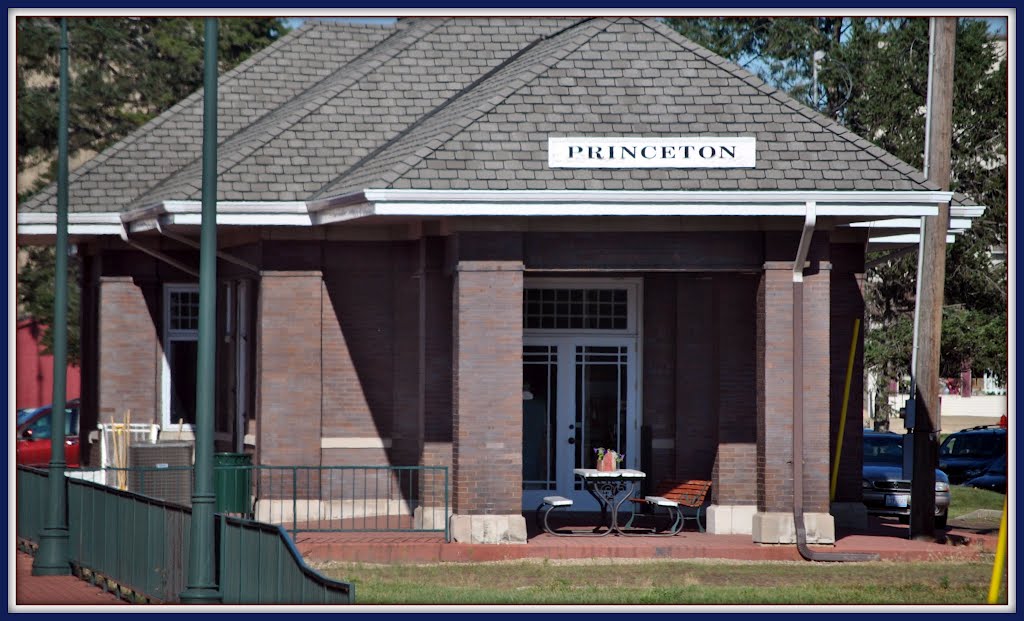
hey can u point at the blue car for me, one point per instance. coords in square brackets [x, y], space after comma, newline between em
[992, 478]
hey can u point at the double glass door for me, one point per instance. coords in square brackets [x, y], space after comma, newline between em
[578, 395]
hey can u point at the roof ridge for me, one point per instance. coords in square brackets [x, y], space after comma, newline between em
[235, 148]
[160, 119]
[783, 98]
[465, 119]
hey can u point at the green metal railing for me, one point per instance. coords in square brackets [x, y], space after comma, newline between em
[306, 498]
[138, 547]
[260, 565]
[353, 498]
[31, 504]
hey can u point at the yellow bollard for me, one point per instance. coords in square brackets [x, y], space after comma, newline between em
[997, 568]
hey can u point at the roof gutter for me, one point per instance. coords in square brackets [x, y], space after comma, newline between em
[798, 402]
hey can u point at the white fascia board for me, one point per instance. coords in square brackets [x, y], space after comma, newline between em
[966, 211]
[442, 203]
[78, 224]
[909, 223]
[903, 240]
[640, 209]
[229, 213]
[640, 196]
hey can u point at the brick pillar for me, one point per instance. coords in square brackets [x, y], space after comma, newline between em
[847, 299]
[487, 399]
[773, 522]
[775, 388]
[816, 380]
[129, 367]
[288, 385]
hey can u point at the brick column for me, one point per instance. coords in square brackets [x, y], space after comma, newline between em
[289, 380]
[487, 399]
[773, 522]
[128, 351]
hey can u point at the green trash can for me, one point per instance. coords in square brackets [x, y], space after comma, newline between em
[232, 482]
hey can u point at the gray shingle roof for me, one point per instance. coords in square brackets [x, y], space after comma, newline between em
[121, 173]
[468, 103]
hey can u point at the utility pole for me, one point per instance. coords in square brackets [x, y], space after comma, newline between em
[927, 419]
[53, 557]
[201, 581]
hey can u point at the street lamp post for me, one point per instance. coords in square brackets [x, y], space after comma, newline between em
[52, 558]
[201, 584]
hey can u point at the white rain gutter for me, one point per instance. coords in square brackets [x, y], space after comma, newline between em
[450, 203]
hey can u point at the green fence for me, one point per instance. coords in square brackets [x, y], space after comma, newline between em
[305, 498]
[138, 546]
[30, 511]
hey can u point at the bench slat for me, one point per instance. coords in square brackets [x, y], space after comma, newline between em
[688, 493]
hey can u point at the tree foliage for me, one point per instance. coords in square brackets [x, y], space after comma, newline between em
[873, 78]
[123, 72]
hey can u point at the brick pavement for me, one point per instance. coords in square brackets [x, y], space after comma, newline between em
[56, 590]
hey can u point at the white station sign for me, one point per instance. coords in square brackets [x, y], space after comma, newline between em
[681, 152]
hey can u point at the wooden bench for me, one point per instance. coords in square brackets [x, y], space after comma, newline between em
[684, 500]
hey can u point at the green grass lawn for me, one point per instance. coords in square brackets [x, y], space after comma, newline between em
[964, 500]
[701, 582]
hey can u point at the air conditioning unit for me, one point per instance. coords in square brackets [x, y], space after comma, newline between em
[111, 436]
[162, 470]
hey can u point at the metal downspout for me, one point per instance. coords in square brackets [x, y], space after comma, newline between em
[798, 403]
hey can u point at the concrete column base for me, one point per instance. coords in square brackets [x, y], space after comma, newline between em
[779, 527]
[730, 519]
[488, 528]
[851, 515]
[429, 518]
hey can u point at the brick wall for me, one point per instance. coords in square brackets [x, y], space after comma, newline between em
[487, 387]
[735, 478]
[288, 368]
[357, 350]
[697, 369]
[129, 350]
[659, 377]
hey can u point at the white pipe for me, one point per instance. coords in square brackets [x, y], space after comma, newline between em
[810, 219]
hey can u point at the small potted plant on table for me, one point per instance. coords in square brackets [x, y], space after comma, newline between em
[608, 460]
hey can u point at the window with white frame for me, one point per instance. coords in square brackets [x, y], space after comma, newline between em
[579, 306]
[181, 350]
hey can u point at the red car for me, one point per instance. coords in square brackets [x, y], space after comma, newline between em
[34, 435]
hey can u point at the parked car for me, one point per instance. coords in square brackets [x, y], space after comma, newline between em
[992, 478]
[34, 431]
[971, 450]
[886, 492]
